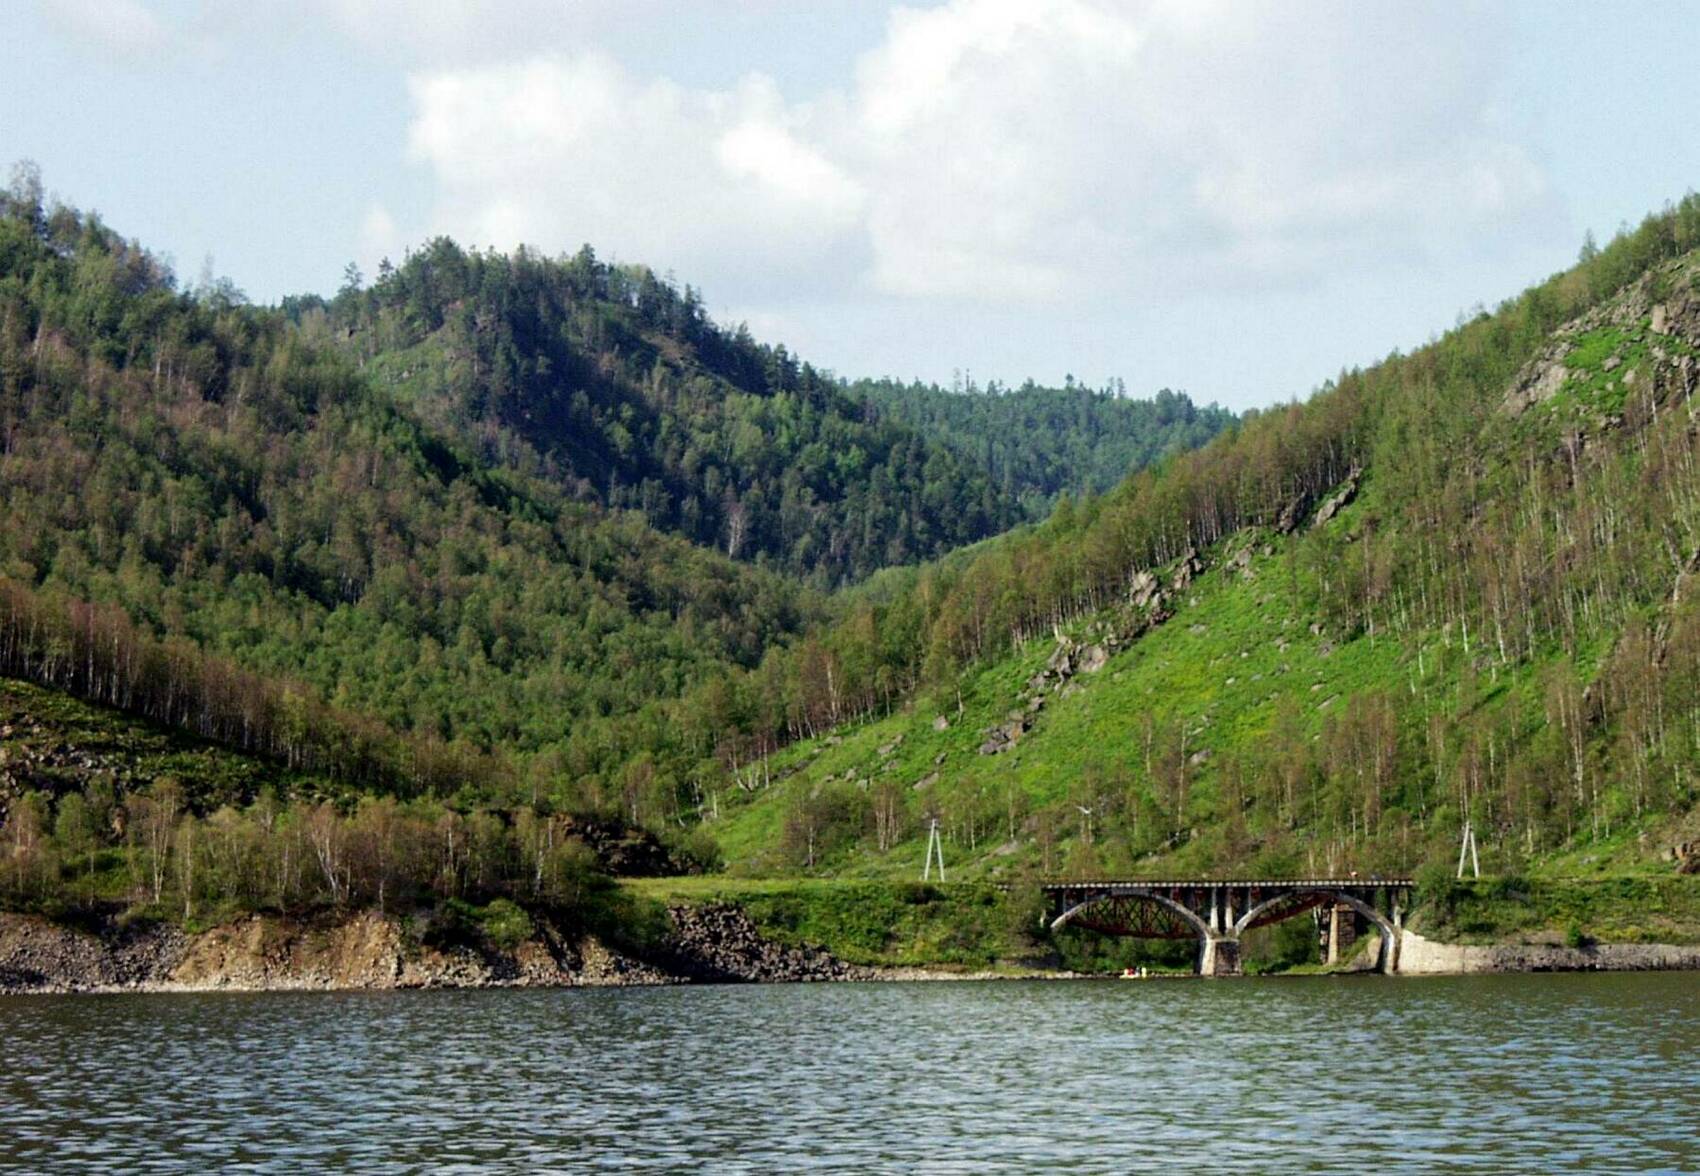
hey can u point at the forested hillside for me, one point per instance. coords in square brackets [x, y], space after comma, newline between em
[613, 384]
[370, 540]
[417, 539]
[1038, 443]
[1456, 585]
[209, 517]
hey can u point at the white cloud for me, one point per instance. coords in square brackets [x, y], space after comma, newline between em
[1050, 145]
[999, 150]
[562, 150]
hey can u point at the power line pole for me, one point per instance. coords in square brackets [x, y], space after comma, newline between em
[1467, 847]
[934, 847]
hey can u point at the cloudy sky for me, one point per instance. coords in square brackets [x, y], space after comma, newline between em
[1232, 198]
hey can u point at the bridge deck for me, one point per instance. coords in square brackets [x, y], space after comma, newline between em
[1227, 883]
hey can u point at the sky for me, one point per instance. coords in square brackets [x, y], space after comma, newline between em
[1233, 198]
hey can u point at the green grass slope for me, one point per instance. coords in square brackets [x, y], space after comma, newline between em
[1488, 614]
[1156, 744]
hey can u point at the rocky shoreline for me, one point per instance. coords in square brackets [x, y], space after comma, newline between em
[710, 944]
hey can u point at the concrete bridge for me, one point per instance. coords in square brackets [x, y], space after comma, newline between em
[1216, 914]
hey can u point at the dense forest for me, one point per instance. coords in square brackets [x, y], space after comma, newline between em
[511, 534]
[615, 385]
[409, 541]
[1040, 443]
[209, 517]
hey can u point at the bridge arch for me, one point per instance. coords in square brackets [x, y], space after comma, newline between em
[1191, 918]
[1215, 912]
[1389, 934]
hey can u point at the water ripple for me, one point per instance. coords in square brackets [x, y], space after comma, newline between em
[1489, 1074]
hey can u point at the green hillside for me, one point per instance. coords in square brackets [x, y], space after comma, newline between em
[615, 385]
[385, 545]
[368, 543]
[1457, 585]
[214, 519]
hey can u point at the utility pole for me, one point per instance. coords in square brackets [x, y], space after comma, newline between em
[1467, 846]
[934, 847]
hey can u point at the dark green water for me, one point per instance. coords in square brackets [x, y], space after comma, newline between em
[1491, 1074]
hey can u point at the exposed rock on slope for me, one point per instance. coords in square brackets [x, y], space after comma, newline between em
[1146, 608]
[1659, 318]
[36, 955]
[1340, 499]
[627, 851]
[718, 943]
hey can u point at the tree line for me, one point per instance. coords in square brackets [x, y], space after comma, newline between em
[149, 849]
[95, 652]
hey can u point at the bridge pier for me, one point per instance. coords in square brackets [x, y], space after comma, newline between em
[1219, 955]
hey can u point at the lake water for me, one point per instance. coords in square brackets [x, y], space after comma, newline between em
[1591, 1073]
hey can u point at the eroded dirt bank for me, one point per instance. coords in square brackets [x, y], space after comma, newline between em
[362, 951]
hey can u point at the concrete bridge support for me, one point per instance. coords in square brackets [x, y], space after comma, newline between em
[1219, 955]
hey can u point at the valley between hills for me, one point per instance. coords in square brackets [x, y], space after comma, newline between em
[504, 619]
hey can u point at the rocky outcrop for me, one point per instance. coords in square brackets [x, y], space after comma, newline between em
[1293, 513]
[1144, 591]
[718, 943]
[370, 950]
[1092, 659]
[365, 950]
[39, 956]
[1000, 737]
[1298, 508]
[627, 851]
[1190, 565]
[1146, 607]
[1340, 499]
[1663, 306]
[1425, 957]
